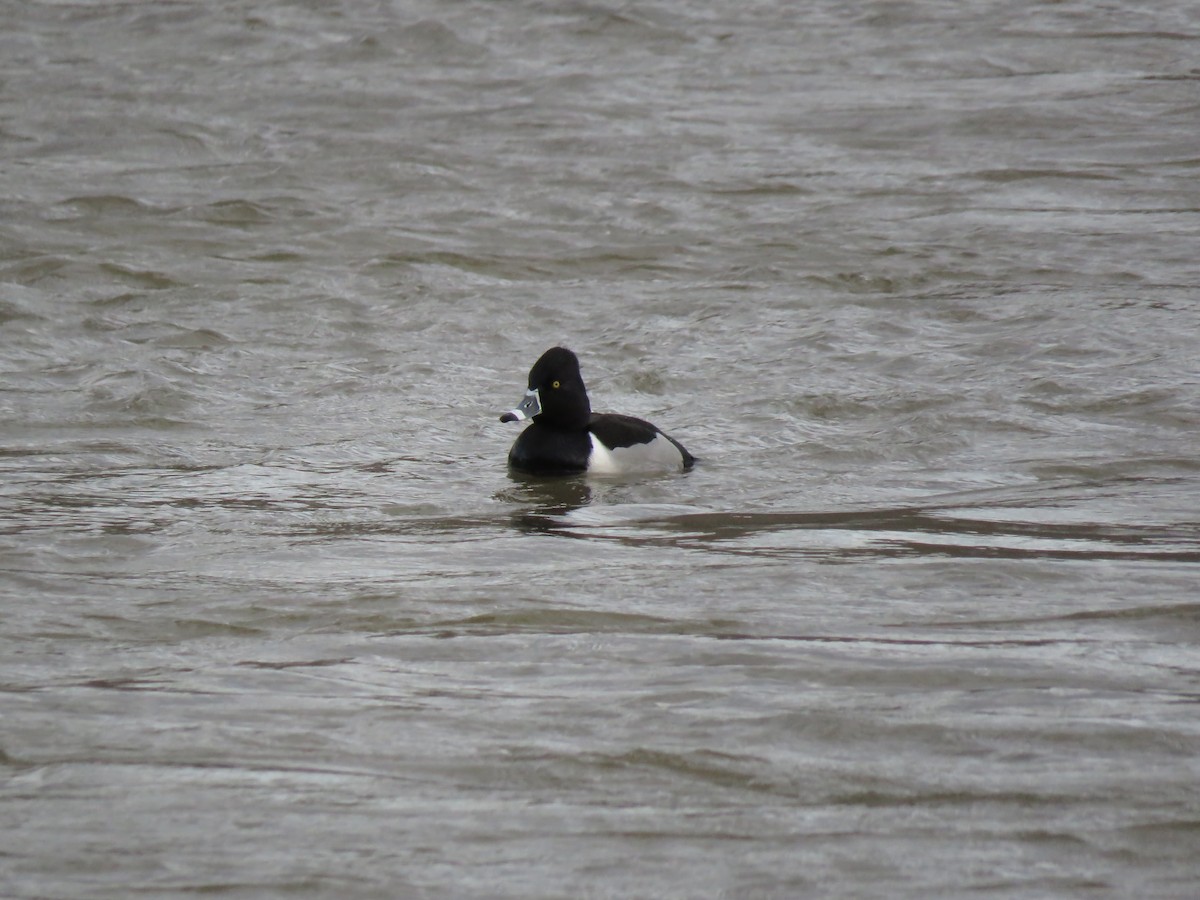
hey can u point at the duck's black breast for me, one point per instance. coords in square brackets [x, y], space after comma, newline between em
[542, 450]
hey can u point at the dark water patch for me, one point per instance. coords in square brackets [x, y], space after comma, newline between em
[1189, 613]
[559, 621]
[113, 206]
[33, 268]
[278, 256]
[914, 797]
[144, 682]
[895, 532]
[18, 308]
[721, 770]
[138, 278]
[193, 339]
[144, 398]
[243, 213]
[1164, 838]
[1004, 176]
[295, 664]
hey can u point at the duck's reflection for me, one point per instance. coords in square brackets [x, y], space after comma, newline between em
[545, 500]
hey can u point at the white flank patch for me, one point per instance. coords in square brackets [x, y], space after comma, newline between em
[656, 455]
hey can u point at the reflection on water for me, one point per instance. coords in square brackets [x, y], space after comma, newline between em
[1002, 523]
[544, 501]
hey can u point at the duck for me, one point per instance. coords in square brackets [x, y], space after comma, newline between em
[565, 437]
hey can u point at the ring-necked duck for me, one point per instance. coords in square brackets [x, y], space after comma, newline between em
[566, 437]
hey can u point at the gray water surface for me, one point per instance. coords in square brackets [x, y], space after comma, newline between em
[917, 282]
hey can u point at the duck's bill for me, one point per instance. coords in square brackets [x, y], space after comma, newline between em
[528, 408]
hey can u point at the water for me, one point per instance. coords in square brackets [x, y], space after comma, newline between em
[916, 281]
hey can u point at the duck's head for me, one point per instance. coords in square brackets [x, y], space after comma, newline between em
[556, 394]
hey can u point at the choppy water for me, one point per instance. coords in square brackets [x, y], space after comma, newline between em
[917, 282]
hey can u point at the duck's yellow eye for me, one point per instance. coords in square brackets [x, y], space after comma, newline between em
[555, 384]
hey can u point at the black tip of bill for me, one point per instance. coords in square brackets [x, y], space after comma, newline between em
[526, 409]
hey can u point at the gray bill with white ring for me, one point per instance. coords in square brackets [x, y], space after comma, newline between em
[527, 409]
